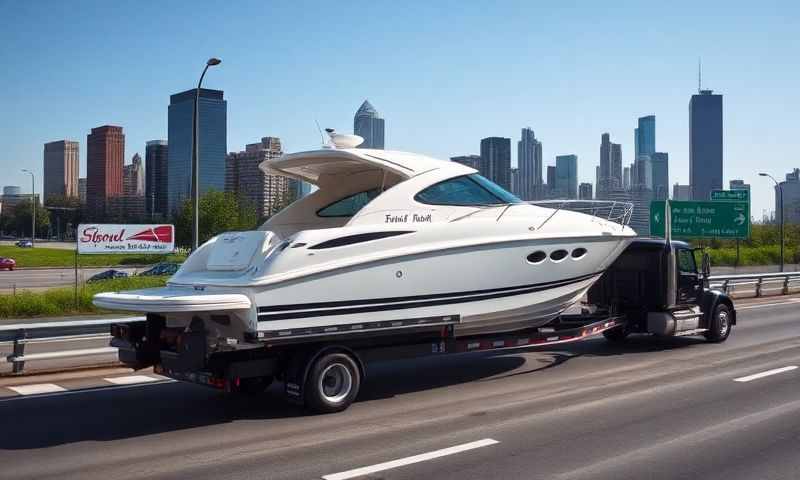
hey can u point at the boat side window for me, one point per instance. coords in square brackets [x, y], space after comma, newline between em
[467, 190]
[686, 262]
[350, 205]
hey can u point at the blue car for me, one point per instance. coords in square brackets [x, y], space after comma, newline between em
[107, 275]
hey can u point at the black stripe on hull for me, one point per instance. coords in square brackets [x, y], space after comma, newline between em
[349, 307]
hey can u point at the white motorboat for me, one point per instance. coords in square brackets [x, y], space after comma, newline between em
[390, 240]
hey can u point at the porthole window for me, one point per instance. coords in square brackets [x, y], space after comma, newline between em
[558, 255]
[537, 257]
[578, 253]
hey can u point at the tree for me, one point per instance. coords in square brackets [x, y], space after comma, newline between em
[219, 212]
[21, 220]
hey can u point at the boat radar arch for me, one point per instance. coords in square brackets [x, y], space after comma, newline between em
[341, 140]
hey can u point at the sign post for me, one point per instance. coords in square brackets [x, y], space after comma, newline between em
[698, 219]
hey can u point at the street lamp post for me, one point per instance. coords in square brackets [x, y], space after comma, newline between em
[780, 206]
[195, 162]
[33, 207]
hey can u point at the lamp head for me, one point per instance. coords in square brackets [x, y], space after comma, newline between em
[213, 61]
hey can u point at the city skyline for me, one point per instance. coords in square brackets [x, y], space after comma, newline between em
[568, 103]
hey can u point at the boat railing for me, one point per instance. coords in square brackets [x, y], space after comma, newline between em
[611, 210]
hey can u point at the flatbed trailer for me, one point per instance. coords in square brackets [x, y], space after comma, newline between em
[325, 375]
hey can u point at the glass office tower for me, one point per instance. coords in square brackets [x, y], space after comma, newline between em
[213, 144]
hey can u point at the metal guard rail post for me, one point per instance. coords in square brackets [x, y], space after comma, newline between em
[23, 334]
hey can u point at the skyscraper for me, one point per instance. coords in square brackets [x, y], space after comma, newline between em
[471, 161]
[567, 176]
[529, 162]
[155, 170]
[681, 192]
[585, 191]
[551, 181]
[610, 166]
[105, 151]
[603, 184]
[659, 162]
[133, 177]
[496, 160]
[212, 147]
[61, 163]
[268, 193]
[370, 125]
[82, 190]
[739, 185]
[616, 166]
[646, 136]
[515, 182]
[626, 178]
[705, 144]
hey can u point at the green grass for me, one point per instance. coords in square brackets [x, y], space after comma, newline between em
[61, 301]
[763, 255]
[55, 257]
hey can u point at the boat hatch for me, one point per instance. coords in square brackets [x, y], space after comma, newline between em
[233, 250]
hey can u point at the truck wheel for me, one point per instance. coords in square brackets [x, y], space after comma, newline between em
[332, 383]
[719, 326]
[616, 335]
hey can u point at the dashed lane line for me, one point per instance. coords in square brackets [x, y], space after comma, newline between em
[130, 379]
[768, 373]
[358, 472]
[37, 389]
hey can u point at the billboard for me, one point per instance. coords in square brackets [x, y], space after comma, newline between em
[118, 238]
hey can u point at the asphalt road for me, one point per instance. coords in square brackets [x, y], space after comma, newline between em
[39, 278]
[651, 409]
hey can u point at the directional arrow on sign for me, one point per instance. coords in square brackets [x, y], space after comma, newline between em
[739, 220]
[657, 218]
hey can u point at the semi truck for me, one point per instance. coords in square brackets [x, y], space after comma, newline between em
[655, 287]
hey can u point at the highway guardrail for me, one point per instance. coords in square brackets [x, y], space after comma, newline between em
[60, 335]
[758, 283]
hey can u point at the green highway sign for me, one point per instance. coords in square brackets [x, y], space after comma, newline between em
[731, 195]
[716, 219]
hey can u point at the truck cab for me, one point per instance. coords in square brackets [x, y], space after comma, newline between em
[639, 285]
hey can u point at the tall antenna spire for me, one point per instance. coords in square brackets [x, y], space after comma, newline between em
[699, 76]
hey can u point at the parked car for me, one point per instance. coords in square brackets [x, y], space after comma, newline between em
[25, 244]
[107, 275]
[163, 268]
[8, 263]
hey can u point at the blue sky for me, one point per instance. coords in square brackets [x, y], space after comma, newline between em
[444, 74]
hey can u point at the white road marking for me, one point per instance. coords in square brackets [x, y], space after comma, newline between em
[81, 391]
[768, 373]
[409, 460]
[130, 379]
[37, 388]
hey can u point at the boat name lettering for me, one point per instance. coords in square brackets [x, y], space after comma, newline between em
[412, 218]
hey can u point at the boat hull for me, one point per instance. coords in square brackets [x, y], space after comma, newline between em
[489, 289]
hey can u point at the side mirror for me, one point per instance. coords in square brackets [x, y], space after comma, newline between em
[706, 265]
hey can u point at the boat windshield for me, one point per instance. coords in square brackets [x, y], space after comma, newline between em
[467, 190]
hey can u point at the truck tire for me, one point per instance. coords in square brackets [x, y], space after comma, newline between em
[616, 335]
[332, 384]
[719, 326]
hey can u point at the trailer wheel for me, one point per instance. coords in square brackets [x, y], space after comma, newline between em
[332, 384]
[616, 335]
[719, 326]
